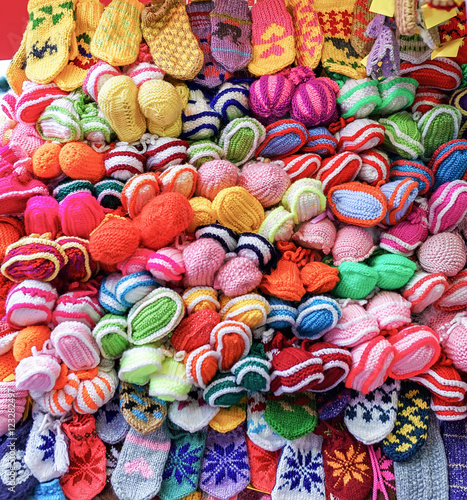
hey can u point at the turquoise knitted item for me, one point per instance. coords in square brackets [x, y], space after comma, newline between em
[49, 491]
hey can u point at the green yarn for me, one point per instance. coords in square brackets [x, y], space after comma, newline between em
[69, 186]
[170, 382]
[240, 139]
[356, 105]
[357, 280]
[394, 271]
[200, 152]
[397, 93]
[139, 363]
[252, 372]
[223, 391]
[438, 126]
[111, 336]
[402, 135]
[293, 415]
[109, 193]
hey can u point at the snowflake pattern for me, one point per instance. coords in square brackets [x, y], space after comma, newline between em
[47, 445]
[18, 465]
[304, 470]
[182, 463]
[84, 468]
[349, 465]
[229, 462]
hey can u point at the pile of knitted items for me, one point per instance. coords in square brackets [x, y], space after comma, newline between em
[233, 259]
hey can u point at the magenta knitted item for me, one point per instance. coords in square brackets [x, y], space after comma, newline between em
[214, 176]
[314, 100]
[355, 327]
[7, 392]
[267, 182]
[238, 277]
[16, 189]
[270, 97]
[390, 309]
[8, 104]
[25, 140]
[318, 234]
[80, 305]
[447, 206]
[406, 236]
[80, 266]
[41, 216]
[166, 264]
[202, 259]
[352, 244]
[443, 253]
[80, 214]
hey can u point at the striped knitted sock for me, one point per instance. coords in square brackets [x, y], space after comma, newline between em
[308, 33]
[88, 13]
[50, 29]
[338, 54]
[455, 442]
[231, 33]
[118, 34]
[212, 74]
[138, 475]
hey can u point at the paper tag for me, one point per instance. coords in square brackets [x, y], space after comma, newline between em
[364, 61]
[385, 7]
[433, 17]
[448, 49]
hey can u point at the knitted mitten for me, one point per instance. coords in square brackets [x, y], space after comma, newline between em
[138, 475]
[111, 425]
[173, 46]
[118, 34]
[194, 413]
[228, 419]
[231, 34]
[263, 466]
[88, 13]
[49, 36]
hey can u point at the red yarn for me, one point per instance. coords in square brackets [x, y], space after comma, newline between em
[195, 330]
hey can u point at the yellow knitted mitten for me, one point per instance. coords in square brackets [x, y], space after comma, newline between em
[50, 29]
[166, 29]
[338, 54]
[16, 72]
[118, 35]
[88, 13]
[118, 100]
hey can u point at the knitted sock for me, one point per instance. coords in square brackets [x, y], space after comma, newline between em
[88, 13]
[118, 101]
[50, 28]
[347, 464]
[138, 475]
[225, 471]
[16, 72]
[173, 46]
[455, 442]
[384, 485]
[263, 466]
[228, 419]
[231, 34]
[194, 413]
[118, 34]
[338, 54]
[112, 452]
[144, 413]
[410, 430]
[86, 474]
[425, 475]
[211, 74]
[258, 430]
[361, 19]
[183, 466]
[371, 417]
[308, 33]
[16, 479]
[272, 38]
[300, 473]
[46, 451]
[111, 425]
[293, 416]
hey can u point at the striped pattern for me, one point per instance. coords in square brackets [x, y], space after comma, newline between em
[124, 162]
[109, 193]
[166, 264]
[402, 135]
[301, 166]
[448, 162]
[139, 364]
[440, 73]
[134, 287]
[397, 93]
[282, 313]
[96, 76]
[199, 298]
[223, 391]
[415, 170]
[232, 340]
[278, 225]
[107, 297]
[165, 152]
[358, 98]
[8, 104]
[231, 101]
[251, 309]
[375, 167]
[283, 138]
[94, 393]
[131, 193]
[82, 306]
[80, 266]
[144, 72]
[321, 142]
[340, 168]
[202, 151]
[316, 316]
[60, 401]
[427, 98]
[179, 179]
[424, 289]
[111, 336]
[400, 196]
[223, 235]
[304, 199]
[34, 99]
[201, 366]
[360, 135]
[447, 206]
[455, 298]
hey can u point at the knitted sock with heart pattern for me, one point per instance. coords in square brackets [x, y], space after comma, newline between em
[111, 425]
[300, 473]
[183, 466]
[258, 430]
[347, 464]
[16, 479]
[384, 481]
[263, 466]
[411, 427]
[212, 74]
[46, 451]
[194, 413]
[88, 13]
[371, 417]
[138, 475]
[143, 412]
[225, 471]
[86, 474]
